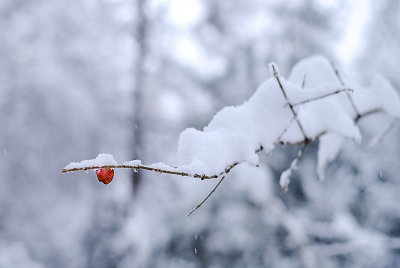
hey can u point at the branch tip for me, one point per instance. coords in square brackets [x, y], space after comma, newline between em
[205, 199]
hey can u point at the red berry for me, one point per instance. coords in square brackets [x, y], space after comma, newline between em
[105, 175]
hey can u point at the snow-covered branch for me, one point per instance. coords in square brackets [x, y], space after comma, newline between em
[276, 75]
[291, 112]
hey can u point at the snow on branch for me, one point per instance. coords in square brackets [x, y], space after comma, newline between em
[276, 75]
[314, 103]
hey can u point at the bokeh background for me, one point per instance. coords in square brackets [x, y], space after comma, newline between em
[125, 77]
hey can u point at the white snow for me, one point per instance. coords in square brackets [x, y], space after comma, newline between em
[317, 71]
[379, 95]
[284, 180]
[256, 182]
[162, 166]
[237, 132]
[329, 147]
[100, 160]
[132, 163]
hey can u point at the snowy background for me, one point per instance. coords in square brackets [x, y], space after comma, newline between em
[78, 78]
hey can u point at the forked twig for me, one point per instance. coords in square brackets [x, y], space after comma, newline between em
[342, 83]
[205, 199]
[276, 75]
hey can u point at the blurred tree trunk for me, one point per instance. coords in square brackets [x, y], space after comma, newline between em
[140, 38]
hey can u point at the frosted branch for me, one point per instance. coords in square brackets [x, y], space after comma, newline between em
[149, 168]
[237, 134]
[276, 75]
[287, 174]
[172, 170]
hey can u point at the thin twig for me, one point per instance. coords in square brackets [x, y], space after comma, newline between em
[285, 176]
[276, 75]
[137, 167]
[322, 97]
[236, 163]
[341, 81]
[278, 140]
[378, 139]
[303, 84]
[360, 116]
[205, 199]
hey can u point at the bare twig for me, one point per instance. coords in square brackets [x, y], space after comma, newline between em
[278, 140]
[276, 75]
[322, 97]
[378, 139]
[205, 199]
[360, 116]
[349, 97]
[303, 84]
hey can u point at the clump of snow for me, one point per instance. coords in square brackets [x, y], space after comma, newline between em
[163, 166]
[284, 180]
[329, 147]
[100, 160]
[330, 114]
[317, 72]
[235, 133]
[132, 163]
[379, 95]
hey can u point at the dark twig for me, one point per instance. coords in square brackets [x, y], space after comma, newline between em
[205, 199]
[303, 84]
[349, 97]
[276, 75]
[378, 139]
[322, 97]
[360, 116]
[278, 140]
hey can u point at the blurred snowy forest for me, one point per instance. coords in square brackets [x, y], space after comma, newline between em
[127, 76]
